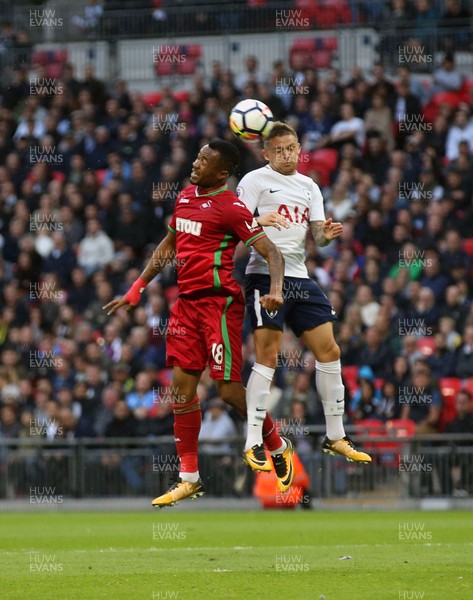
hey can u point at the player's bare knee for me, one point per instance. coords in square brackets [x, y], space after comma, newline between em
[233, 393]
[267, 357]
[330, 352]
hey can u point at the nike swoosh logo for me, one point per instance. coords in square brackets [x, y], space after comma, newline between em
[289, 476]
[273, 191]
[261, 410]
[340, 400]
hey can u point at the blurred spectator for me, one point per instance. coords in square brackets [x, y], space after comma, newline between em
[464, 355]
[141, 400]
[442, 360]
[447, 78]
[461, 131]
[461, 471]
[454, 18]
[365, 400]
[95, 249]
[421, 401]
[348, 129]
[90, 20]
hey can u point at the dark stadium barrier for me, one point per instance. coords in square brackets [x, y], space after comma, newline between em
[51, 471]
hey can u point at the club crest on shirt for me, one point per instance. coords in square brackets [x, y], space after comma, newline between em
[207, 204]
[307, 194]
[271, 313]
[239, 191]
[253, 226]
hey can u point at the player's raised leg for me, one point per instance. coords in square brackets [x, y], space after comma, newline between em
[187, 422]
[267, 341]
[280, 448]
[328, 376]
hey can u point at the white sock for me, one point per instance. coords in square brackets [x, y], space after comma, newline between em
[328, 379]
[258, 388]
[191, 477]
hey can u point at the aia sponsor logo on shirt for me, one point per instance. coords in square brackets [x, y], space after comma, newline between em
[295, 215]
[188, 226]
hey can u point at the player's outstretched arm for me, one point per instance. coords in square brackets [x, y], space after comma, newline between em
[274, 300]
[164, 252]
[273, 219]
[324, 232]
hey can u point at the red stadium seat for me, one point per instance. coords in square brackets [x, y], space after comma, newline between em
[453, 99]
[387, 453]
[326, 16]
[295, 53]
[164, 68]
[181, 96]
[304, 45]
[54, 70]
[40, 58]
[426, 345]
[187, 67]
[401, 428]
[61, 56]
[322, 59]
[468, 246]
[193, 50]
[152, 98]
[330, 43]
[325, 161]
[350, 377]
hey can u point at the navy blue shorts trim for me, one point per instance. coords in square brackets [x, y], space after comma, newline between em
[305, 304]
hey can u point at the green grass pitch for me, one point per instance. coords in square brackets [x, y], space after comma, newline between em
[237, 555]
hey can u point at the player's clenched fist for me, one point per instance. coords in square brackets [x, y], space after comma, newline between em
[271, 301]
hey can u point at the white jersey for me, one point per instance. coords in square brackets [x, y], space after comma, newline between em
[297, 198]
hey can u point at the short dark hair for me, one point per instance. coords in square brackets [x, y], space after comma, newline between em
[280, 128]
[229, 154]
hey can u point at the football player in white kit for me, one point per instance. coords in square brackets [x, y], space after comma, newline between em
[288, 204]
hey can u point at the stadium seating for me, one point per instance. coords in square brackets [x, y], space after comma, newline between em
[186, 63]
[468, 246]
[350, 377]
[53, 60]
[317, 52]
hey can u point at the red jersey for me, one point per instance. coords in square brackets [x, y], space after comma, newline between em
[208, 227]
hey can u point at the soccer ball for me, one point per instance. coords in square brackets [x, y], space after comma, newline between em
[251, 120]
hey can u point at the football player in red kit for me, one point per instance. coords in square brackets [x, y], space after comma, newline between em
[206, 321]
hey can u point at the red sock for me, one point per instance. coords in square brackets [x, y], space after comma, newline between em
[272, 439]
[186, 435]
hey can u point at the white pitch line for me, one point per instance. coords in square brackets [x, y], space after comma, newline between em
[221, 548]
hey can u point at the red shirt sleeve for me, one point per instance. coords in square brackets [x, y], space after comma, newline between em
[241, 222]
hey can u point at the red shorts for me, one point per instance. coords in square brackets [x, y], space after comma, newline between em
[207, 331]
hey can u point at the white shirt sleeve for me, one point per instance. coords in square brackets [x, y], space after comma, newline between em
[248, 191]
[317, 212]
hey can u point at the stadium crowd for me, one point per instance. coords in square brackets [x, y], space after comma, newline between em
[88, 178]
